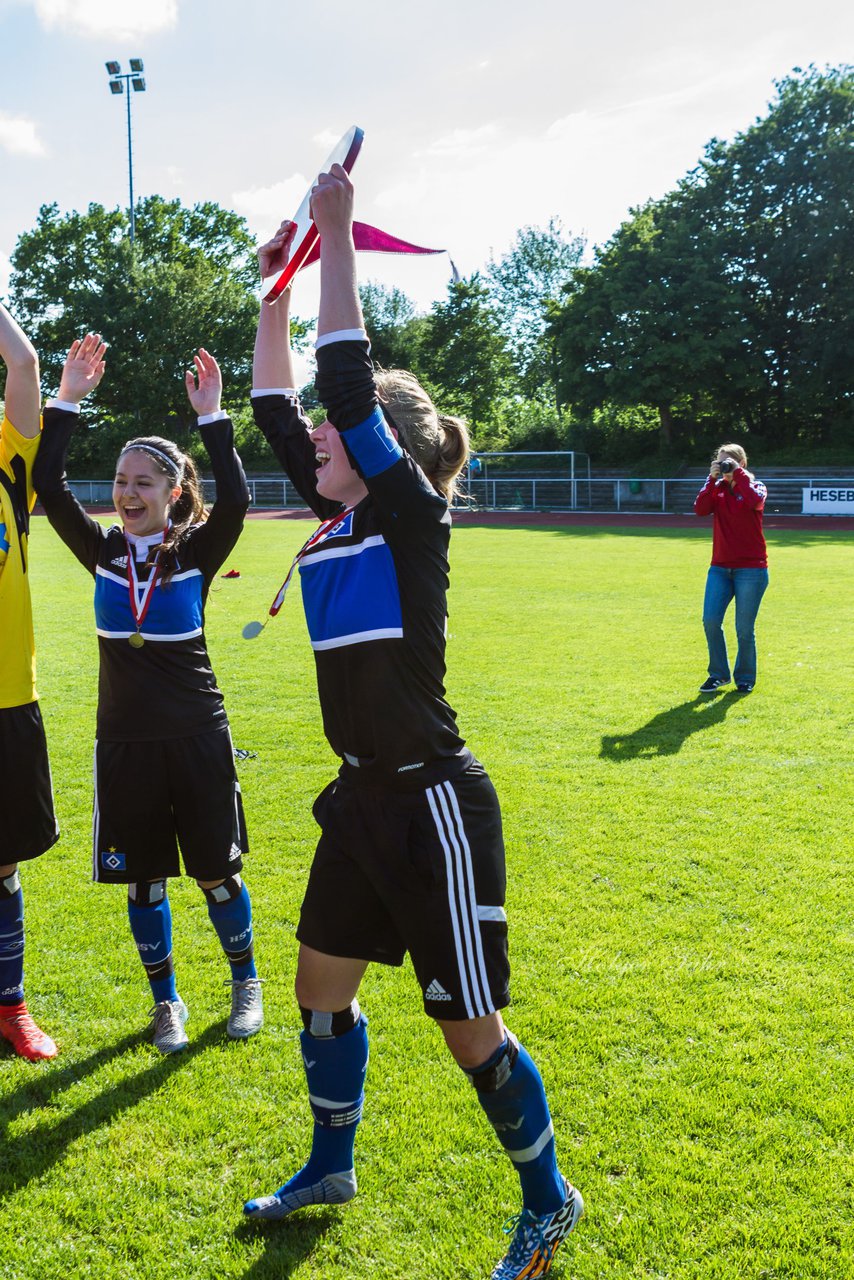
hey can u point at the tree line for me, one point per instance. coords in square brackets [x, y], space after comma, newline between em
[722, 309]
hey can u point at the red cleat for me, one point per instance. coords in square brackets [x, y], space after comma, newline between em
[28, 1041]
[232, 573]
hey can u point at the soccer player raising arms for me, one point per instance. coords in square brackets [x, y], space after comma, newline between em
[164, 765]
[26, 796]
[410, 856]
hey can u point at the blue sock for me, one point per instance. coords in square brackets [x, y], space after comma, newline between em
[11, 940]
[230, 911]
[510, 1090]
[335, 1069]
[150, 919]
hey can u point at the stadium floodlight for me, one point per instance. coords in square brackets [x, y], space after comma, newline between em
[136, 81]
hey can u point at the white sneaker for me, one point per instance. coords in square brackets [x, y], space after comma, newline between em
[168, 1018]
[247, 1012]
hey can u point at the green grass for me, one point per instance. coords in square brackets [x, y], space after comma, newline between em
[681, 939]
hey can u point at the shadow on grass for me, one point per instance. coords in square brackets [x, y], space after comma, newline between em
[28, 1156]
[287, 1243]
[665, 733]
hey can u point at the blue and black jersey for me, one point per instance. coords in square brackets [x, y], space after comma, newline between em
[166, 688]
[374, 585]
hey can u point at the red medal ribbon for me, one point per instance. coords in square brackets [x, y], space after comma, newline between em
[139, 603]
[326, 527]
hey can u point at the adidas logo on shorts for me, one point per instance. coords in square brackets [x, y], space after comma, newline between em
[436, 992]
[234, 853]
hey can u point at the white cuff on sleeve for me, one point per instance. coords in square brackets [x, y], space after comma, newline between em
[205, 418]
[290, 392]
[341, 335]
[62, 404]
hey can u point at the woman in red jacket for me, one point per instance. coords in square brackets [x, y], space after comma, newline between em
[735, 500]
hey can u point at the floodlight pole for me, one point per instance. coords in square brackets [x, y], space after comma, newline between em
[130, 164]
[122, 83]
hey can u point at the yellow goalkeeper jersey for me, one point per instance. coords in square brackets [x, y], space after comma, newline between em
[17, 646]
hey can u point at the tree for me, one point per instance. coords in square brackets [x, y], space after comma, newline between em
[732, 298]
[782, 194]
[464, 354]
[524, 284]
[650, 323]
[188, 281]
[392, 324]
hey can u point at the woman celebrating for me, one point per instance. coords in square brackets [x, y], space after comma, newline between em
[164, 765]
[26, 796]
[410, 856]
[735, 500]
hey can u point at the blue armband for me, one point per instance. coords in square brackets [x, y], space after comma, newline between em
[372, 446]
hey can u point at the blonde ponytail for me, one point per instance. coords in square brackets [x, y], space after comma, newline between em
[438, 442]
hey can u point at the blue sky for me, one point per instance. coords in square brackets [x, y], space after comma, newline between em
[480, 118]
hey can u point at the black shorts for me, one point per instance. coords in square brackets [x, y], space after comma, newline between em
[417, 871]
[29, 824]
[152, 797]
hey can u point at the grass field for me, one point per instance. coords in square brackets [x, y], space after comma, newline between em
[681, 937]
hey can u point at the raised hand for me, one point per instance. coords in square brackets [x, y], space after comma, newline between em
[83, 369]
[205, 386]
[332, 203]
[273, 256]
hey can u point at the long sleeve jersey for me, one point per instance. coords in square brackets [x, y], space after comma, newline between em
[166, 688]
[374, 585]
[737, 538]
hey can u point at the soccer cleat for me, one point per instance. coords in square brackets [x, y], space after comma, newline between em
[247, 1013]
[28, 1040]
[535, 1239]
[335, 1188]
[168, 1018]
[712, 684]
[744, 686]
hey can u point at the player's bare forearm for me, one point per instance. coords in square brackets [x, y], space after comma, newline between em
[23, 396]
[273, 362]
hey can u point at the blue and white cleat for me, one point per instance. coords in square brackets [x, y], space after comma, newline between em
[334, 1188]
[535, 1239]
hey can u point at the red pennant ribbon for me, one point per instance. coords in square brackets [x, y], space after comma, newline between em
[372, 240]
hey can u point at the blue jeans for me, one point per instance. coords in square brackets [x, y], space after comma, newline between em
[748, 587]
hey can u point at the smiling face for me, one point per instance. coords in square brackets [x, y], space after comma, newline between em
[142, 494]
[336, 479]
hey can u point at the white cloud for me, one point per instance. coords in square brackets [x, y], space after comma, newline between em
[464, 143]
[108, 19]
[18, 136]
[264, 207]
[326, 139]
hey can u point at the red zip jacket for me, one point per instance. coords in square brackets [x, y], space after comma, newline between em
[737, 542]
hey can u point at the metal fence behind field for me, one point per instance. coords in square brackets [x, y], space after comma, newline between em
[500, 490]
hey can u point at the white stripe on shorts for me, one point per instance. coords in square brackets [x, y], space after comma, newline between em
[462, 901]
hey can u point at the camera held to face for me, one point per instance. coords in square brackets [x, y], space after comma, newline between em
[726, 465]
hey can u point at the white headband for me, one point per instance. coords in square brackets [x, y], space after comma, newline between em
[157, 453]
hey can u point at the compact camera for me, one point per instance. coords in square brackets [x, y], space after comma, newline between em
[726, 465]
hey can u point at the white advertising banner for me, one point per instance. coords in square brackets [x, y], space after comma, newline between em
[828, 500]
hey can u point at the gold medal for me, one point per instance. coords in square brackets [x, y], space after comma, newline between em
[136, 641]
